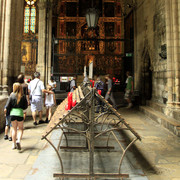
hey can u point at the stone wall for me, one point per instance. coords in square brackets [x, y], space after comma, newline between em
[150, 39]
[2, 118]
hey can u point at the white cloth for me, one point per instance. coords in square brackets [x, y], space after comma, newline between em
[36, 90]
[49, 100]
[36, 104]
[52, 84]
[72, 84]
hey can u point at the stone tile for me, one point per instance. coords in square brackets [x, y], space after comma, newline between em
[13, 157]
[158, 177]
[21, 171]
[31, 160]
[11, 179]
[6, 170]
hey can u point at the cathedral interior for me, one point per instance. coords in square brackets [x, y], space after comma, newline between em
[53, 37]
[74, 45]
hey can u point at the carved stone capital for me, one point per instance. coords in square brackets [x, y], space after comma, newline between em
[42, 5]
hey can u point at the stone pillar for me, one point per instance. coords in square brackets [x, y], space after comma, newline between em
[176, 49]
[172, 38]
[2, 21]
[49, 43]
[10, 43]
[42, 39]
[6, 49]
[136, 58]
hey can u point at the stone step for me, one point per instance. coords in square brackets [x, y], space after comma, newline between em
[157, 106]
[169, 123]
[162, 108]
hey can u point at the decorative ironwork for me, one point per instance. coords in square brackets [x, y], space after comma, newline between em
[95, 126]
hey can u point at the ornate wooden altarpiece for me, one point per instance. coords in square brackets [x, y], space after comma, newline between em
[75, 45]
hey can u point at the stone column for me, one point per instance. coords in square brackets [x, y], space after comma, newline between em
[136, 58]
[42, 39]
[2, 21]
[169, 52]
[49, 43]
[172, 35]
[176, 49]
[6, 49]
[10, 43]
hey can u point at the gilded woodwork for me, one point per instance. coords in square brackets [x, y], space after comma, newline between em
[103, 54]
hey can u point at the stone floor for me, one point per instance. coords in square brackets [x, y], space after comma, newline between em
[156, 157]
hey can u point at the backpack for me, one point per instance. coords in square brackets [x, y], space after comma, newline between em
[68, 86]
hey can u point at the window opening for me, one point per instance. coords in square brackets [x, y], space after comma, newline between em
[30, 16]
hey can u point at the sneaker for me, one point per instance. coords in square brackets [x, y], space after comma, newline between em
[18, 145]
[41, 121]
[5, 137]
[129, 105]
[35, 123]
[47, 121]
[10, 138]
[14, 147]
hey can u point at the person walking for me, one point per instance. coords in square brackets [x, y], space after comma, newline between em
[20, 79]
[100, 86]
[8, 126]
[36, 90]
[16, 103]
[49, 102]
[129, 89]
[52, 83]
[73, 84]
[109, 93]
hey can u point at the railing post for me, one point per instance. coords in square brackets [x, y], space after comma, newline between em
[91, 133]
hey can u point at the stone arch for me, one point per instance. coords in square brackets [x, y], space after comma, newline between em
[146, 76]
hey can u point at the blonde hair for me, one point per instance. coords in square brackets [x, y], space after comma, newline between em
[17, 89]
[49, 87]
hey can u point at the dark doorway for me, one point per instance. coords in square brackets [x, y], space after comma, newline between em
[146, 79]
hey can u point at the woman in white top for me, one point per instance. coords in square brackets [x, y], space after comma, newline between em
[52, 83]
[49, 102]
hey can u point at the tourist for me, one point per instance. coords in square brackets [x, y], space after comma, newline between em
[100, 86]
[49, 102]
[8, 125]
[20, 79]
[73, 84]
[52, 83]
[129, 89]
[109, 93]
[36, 90]
[16, 103]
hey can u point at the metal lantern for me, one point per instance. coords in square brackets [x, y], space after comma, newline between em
[92, 17]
